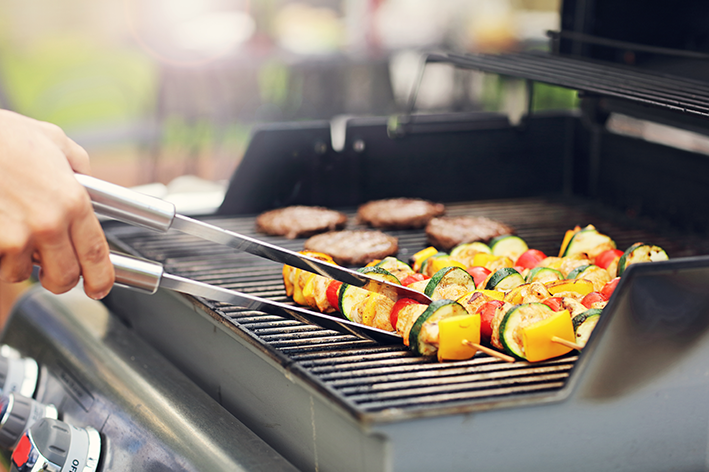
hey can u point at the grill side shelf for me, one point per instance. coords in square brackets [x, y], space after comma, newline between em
[640, 86]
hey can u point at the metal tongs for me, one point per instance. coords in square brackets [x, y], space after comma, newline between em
[148, 276]
[153, 213]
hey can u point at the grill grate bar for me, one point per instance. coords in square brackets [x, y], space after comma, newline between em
[449, 399]
[645, 87]
[413, 386]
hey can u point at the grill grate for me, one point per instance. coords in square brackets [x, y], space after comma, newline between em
[649, 88]
[363, 375]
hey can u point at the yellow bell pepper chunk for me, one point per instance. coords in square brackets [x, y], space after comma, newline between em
[580, 286]
[444, 261]
[308, 291]
[537, 338]
[298, 296]
[567, 239]
[421, 256]
[370, 310]
[453, 331]
[287, 282]
[494, 294]
[482, 259]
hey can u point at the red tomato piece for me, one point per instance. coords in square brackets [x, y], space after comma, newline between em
[530, 258]
[409, 279]
[479, 274]
[554, 303]
[592, 298]
[401, 303]
[604, 259]
[332, 294]
[608, 288]
[487, 313]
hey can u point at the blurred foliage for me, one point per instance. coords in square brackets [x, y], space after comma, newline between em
[75, 83]
[549, 97]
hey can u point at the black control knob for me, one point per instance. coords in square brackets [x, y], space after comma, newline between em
[17, 414]
[56, 446]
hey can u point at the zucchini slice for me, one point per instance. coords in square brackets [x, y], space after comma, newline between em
[543, 275]
[450, 282]
[516, 318]
[504, 280]
[397, 268]
[584, 323]
[588, 241]
[576, 273]
[508, 245]
[353, 299]
[640, 252]
[424, 268]
[423, 337]
[465, 252]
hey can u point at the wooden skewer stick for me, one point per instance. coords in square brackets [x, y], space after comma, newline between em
[564, 342]
[489, 351]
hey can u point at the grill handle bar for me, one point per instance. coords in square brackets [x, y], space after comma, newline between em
[147, 276]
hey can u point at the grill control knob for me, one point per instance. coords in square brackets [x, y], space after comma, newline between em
[18, 374]
[56, 446]
[17, 413]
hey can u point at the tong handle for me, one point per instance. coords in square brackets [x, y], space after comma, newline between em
[133, 272]
[127, 205]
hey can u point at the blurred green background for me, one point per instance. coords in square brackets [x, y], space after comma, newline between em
[154, 89]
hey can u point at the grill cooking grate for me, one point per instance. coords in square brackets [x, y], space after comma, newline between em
[364, 376]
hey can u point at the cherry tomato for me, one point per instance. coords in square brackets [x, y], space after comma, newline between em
[416, 277]
[604, 259]
[401, 303]
[332, 294]
[592, 298]
[554, 303]
[530, 258]
[487, 313]
[479, 274]
[608, 288]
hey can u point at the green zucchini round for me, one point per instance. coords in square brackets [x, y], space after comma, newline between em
[435, 312]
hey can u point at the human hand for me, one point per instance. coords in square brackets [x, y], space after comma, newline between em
[46, 216]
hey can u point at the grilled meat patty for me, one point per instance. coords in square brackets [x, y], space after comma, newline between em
[300, 221]
[354, 247]
[445, 232]
[399, 213]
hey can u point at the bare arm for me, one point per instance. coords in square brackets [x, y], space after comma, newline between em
[45, 215]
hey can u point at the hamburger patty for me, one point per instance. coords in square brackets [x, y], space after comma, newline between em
[445, 233]
[399, 213]
[354, 248]
[300, 221]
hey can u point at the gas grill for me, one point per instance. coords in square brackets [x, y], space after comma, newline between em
[322, 400]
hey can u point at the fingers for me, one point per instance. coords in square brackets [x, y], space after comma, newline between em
[76, 155]
[66, 245]
[93, 255]
[16, 257]
[80, 249]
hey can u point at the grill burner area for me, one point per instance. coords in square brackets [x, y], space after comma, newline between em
[385, 382]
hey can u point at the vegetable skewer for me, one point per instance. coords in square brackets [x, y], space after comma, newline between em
[503, 295]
